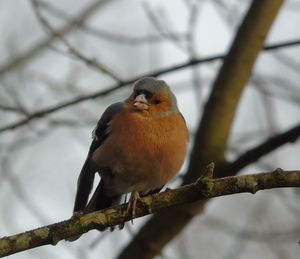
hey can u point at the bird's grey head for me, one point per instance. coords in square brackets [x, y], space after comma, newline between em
[154, 86]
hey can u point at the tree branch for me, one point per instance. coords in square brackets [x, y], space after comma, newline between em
[260, 150]
[204, 188]
[44, 112]
[37, 48]
[214, 128]
[104, 34]
[89, 61]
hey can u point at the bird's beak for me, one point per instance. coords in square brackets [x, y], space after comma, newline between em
[140, 102]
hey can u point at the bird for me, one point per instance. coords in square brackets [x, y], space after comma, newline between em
[138, 146]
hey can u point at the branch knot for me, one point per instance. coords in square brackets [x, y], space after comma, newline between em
[205, 183]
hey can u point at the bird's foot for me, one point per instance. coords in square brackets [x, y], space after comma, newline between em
[77, 214]
[134, 198]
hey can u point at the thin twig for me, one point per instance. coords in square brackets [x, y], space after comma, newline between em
[107, 35]
[264, 148]
[43, 44]
[89, 61]
[10, 109]
[204, 188]
[160, 28]
[77, 100]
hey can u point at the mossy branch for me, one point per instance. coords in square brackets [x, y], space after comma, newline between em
[205, 187]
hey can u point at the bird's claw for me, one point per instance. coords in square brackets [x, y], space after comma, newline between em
[131, 207]
[77, 215]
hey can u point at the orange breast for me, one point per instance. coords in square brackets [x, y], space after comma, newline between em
[144, 152]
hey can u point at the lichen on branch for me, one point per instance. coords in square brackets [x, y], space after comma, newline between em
[204, 188]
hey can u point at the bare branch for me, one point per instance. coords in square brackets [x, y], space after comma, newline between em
[191, 48]
[40, 46]
[77, 100]
[215, 125]
[89, 61]
[104, 34]
[264, 148]
[10, 109]
[161, 29]
[204, 188]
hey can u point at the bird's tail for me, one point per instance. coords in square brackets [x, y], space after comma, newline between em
[99, 201]
[84, 186]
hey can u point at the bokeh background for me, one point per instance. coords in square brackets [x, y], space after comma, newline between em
[103, 43]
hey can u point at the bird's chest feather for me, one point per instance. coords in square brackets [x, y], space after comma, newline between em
[140, 142]
[144, 150]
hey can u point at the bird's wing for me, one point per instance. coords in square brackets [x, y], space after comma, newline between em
[86, 177]
[102, 129]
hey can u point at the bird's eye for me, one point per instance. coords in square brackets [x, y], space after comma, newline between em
[136, 93]
[156, 101]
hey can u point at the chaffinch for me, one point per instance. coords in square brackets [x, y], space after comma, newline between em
[138, 145]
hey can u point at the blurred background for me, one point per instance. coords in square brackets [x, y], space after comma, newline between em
[63, 62]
